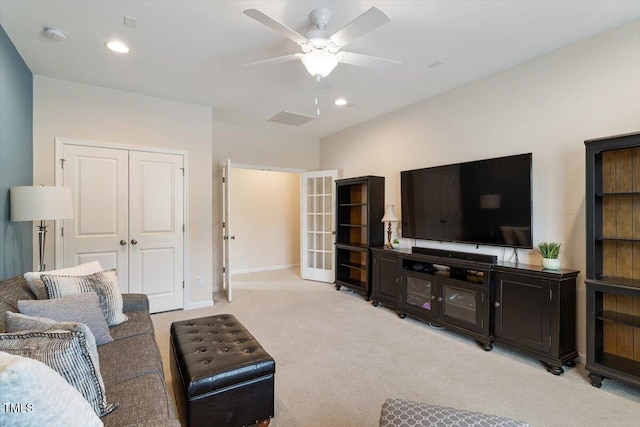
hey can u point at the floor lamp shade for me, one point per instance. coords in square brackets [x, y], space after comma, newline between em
[40, 203]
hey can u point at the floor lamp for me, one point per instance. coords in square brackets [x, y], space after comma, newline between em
[40, 204]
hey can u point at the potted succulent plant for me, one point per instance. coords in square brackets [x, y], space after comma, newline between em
[395, 243]
[550, 252]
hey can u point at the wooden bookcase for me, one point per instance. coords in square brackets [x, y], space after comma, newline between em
[359, 210]
[613, 258]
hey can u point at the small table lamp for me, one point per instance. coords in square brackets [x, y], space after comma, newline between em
[389, 217]
[40, 204]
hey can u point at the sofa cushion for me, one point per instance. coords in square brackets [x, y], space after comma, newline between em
[128, 358]
[104, 283]
[82, 308]
[18, 322]
[12, 290]
[37, 286]
[144, 400]
[45, 398]
[139, 323]
[68, 353]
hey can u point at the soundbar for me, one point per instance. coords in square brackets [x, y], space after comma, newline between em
[489, 259]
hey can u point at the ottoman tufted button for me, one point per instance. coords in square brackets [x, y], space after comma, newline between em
[201, 350]
[224, 349]
[198, 340]
[234, 332]
[240, 341]
[248, 350]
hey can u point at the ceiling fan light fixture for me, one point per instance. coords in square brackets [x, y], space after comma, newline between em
[319, 62]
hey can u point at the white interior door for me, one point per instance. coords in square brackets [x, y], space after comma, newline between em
[156, 228]
[226, 229]
[318, 227]
[98, 178]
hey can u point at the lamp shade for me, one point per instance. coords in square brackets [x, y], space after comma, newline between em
[319, 62]
[40, 203]
[390, 214]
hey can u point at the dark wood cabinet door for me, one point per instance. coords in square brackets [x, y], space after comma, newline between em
[523, 311]
[387, 277]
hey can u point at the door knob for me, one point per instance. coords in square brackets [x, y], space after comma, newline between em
[134, 242]
[496, 304]
[225, 237]
[439, 299]
[123, 242]
[233, 237]
[433, 297]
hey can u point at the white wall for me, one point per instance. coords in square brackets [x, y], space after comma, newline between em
[83, 112]
[265, 209]
[280, 147]
[547, 106]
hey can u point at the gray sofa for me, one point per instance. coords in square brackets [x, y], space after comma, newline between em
[130, 365]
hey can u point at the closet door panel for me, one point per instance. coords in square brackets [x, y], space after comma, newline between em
[156, 228]
[98, 178]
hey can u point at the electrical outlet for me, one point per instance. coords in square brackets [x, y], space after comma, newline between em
[198, 280]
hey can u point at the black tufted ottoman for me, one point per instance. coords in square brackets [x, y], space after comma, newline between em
[221, 375]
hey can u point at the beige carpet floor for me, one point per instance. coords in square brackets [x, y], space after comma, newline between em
[338, 358]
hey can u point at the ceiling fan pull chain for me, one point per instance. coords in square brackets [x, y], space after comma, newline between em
[318, 96]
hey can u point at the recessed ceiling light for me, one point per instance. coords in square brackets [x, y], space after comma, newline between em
[340, 102]
[117, 46]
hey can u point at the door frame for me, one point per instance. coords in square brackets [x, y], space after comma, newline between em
[60, 142]
[233, 165]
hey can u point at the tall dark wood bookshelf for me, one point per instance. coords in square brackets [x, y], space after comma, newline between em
[613, 258]
[359, 210]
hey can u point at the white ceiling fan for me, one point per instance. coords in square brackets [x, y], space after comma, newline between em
[322, 52]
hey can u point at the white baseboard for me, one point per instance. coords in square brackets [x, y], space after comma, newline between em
[199, 304]
[259, 269]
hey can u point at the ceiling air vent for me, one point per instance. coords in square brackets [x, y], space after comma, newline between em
[289, 118]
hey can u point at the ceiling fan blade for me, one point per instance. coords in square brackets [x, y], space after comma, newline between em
[367, 61]
[368, 21]
[277, 60]
[275, 25]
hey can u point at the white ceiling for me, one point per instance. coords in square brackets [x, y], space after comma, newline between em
[194, 51]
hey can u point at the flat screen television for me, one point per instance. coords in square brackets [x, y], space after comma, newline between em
[485, 202]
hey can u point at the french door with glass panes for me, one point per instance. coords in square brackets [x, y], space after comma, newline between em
[318, 229]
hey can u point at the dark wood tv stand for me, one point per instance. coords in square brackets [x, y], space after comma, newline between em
[523, 307]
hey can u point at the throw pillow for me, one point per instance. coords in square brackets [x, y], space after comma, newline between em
[17, 322]
[104, 283]
[83, 308]
[38, 288]
[67, 353]
[38, 396]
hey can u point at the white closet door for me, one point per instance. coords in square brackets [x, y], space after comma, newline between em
[98, 178]
[156, 225]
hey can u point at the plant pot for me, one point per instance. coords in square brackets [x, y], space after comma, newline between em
[551, 263]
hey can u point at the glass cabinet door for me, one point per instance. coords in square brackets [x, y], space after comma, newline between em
[461, 304]
[419, 293]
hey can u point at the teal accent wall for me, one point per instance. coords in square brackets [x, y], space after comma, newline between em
[16, 156]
